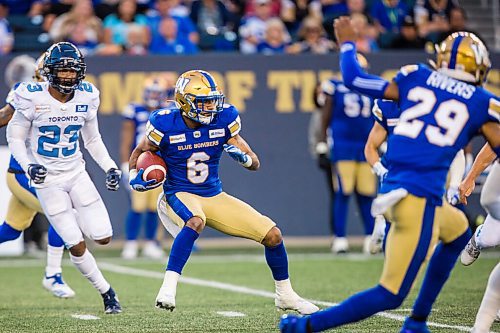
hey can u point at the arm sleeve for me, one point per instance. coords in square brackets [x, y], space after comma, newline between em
[355, 78]
[94, 145]
[457, 169]
[17, 134]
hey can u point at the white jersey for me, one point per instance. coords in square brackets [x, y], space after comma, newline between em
[55, 126]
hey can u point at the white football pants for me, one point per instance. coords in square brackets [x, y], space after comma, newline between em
[490, 195]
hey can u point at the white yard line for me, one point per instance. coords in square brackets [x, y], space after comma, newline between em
[249, 291]
[231, 314]
[85, 316]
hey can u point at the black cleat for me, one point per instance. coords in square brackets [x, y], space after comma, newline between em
[111, 303]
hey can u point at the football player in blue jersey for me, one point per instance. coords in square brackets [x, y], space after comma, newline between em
[442, 109]
[343, 111]
[191, 138]
[23, 204]
[157, 89]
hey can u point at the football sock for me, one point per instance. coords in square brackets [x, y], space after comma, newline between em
[357, 307]
[53, 238]
[151, 225]
[8, 233]
[277, 260]
[132, 225]
[442, 262]
[54, 258]
[365, 204]
[341, 205]
[490, 303]
[489, 235]
[181, 249]
[88, 267]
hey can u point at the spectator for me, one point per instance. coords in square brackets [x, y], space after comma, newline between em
[458, 22]
[293, 12]
[171, 42]
[408, 38]
[276, 38]
[389, 16]
[253, 29]
[79, 26]
[251, 8]
[332, 9]
[116, 25]
[167, 8]
[364, 42]
[236, 10]
[30, 8]
[359, 7]
[137, 41]
[6, 35]
[212, 20]
[432, 18]
[312, 38]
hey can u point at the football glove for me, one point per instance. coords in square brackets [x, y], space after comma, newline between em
[322, 153]
[140, 185]
[380, 170]
[452, 195]
[113, 177]
[237, 155]
[37, 173]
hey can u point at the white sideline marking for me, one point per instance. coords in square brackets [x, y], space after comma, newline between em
[249, 291]
[85, 316]
[231, 314]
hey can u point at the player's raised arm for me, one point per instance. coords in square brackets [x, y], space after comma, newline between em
[240, 151]
[6, 114]
[328, 89]
[353, 75]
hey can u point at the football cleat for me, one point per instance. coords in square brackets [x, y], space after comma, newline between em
[471, 251]
[292, 301]
[130, 250]
[152, 250]
[412, 326]
[340, 245]
[377, 237]
[111, 303]
[294, 324]
[56, 285]
[165, 301]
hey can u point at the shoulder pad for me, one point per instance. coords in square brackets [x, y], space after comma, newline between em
[89, 88]
[328, 87]
[27, 89]
[494, 108]
[408, 69]
[377, 112]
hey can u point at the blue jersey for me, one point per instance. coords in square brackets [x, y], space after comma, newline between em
[439, 117]
[386, 113]
[350, 122]
[139, 115]
[192, 155]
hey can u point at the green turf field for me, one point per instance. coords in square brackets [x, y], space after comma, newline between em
[26, 307]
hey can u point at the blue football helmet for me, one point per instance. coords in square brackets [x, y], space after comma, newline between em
[64, 56]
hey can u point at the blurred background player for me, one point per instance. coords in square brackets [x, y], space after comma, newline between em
[191, 138]
[157, 89]
[49, 116]
[347, 117]
[23, 204]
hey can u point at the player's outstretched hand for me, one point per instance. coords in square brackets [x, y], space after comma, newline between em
[139, 184]
[344, 30]
[236, 153]
[465, 189]
[37, 173]
[113, 177]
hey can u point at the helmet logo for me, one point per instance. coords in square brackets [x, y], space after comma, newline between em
[181, 84]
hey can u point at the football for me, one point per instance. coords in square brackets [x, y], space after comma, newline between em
[153, 165]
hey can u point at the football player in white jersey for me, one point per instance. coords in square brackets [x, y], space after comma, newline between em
[23, 204]
[51, 116]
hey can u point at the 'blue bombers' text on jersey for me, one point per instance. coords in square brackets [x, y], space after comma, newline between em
[139, 114]
[439, 117]
[192, 155]
[350, 122]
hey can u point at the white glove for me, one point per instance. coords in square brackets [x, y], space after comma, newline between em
[452, 195]
[380, 170]
[321, 148]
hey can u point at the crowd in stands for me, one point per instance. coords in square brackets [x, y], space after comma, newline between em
[137, 27]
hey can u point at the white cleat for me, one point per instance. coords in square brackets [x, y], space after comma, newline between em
[164, 300]
[153, 251]
[471, 251]
[292, 301]
[377, 237]
[340, 245]
[56, 285]
[130, 250]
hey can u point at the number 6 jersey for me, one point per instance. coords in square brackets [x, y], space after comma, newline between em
[439, 117]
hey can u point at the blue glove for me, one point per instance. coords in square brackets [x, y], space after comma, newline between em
[37, 173]
[236, 154]
[113, 177]
[140, 185]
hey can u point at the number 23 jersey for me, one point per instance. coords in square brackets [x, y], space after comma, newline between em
[192, 155]
[439, 117]
[55, 126]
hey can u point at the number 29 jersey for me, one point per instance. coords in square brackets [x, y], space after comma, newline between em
[192, 155]
[439, 117]
[55, 126]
